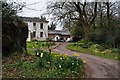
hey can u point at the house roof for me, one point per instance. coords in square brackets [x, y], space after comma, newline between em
[35, 19]
[60, 32]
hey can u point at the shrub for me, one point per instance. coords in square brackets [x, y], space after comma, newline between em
[84, 44]
[115, 50]
[58, 61]
[97, 46]
[44, 60]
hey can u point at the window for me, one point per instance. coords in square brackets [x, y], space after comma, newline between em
[41, 25]
[34, 24]
[41, 34]
[34, 34]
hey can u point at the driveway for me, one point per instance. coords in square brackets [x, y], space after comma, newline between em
[96, 67]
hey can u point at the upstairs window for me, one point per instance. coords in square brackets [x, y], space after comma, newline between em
[41, 34]
[41, 25]
[34, 24]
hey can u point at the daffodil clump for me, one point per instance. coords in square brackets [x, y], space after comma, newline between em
[76, 55]
[63, 63]
[45, 65]
[95, 49]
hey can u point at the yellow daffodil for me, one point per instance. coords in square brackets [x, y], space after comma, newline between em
[59, 66]
[60, 58]
[76, 55]
[37, 53]
[41, 55]
[102, 52]
[48, 62]
[65, 54]
[84, 60]
[115, 57]
[72, 63]
[77, 64]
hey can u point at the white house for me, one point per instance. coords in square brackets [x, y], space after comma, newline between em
[38, 28]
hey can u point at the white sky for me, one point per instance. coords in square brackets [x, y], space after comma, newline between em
[34, 8]
[39, 7]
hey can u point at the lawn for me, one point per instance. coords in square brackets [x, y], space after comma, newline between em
[42, 65]
[33, 45]
[93, 50]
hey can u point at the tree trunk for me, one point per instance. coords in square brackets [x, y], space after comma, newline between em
[87, 33]
[113, 42]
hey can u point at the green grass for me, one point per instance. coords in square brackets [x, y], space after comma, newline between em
[38, 44]
[108, 55]
[33, 45]
[48, 66]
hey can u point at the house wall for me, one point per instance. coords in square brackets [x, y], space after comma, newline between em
[64, 36]
[51, 35]
[36, 28]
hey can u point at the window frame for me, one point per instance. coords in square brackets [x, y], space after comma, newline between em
[34, 24]
[34, 34]
[41, 25]
[41, 34]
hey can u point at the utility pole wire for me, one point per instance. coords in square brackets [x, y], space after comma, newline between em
[34, 3]
[29, 8]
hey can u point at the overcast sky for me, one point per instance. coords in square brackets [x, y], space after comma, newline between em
[34, 8]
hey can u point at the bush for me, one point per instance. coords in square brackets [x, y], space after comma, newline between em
[97, 46]
[14, 30]
[45, 59]
[84, 44]
[115, 50]
[59, 62]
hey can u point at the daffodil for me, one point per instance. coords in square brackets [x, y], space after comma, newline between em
[41, 55]
[76, 55]
[84, 60]
[77, 64]
[37, 53]
[60, 58]
[59, 66]
[102, 52]
[65, 54]
[115, 57]
[72, 63]
[48, 62]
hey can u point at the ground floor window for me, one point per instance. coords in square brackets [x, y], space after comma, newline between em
[34, 34]
[41, 34]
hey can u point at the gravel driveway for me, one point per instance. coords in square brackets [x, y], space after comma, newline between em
[96, 67]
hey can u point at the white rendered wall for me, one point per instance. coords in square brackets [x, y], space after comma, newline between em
[36, 28]
[29, 36]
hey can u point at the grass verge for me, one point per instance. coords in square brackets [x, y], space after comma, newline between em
[96, 52]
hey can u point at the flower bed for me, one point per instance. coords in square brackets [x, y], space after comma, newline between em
[45, 66]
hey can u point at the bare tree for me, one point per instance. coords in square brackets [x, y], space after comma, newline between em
[83, 11]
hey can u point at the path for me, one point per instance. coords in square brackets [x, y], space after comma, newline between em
[96, 67]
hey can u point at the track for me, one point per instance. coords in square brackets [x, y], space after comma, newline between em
[96, 67]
